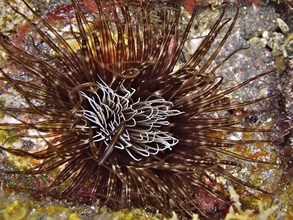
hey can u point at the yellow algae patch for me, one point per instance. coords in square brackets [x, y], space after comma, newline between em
[74, 216]
[16, 210]
[8, 137]
[236, 211]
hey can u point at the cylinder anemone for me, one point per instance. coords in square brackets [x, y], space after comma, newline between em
[124, 120]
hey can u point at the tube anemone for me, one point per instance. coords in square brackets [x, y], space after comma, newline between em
[123, 119]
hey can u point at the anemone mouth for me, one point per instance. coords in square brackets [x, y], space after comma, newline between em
[115, 120]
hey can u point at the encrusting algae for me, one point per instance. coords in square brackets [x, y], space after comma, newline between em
[114, 111]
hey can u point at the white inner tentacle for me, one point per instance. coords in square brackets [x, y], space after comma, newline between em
[144, 121]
